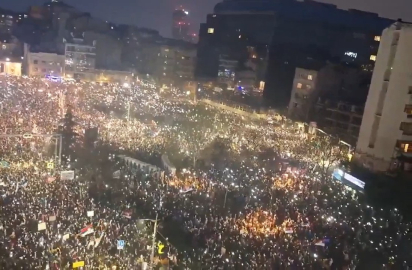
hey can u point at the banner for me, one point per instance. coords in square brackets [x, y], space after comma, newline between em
[78, 264]
[90, 213]
[67, 175]
[66, 236]
[41, 226]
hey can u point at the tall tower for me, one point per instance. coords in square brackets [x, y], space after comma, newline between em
[386, 130]
[180, 24]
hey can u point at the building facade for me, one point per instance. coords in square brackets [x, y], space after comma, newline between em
[9, 67]
[40, 64]
[301, 97]
[176, 61]
[180, 24]
[287, 35]
[386, 130]
[80, 58]
[339, 118]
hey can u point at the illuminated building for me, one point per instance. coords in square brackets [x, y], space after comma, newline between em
[385, 138]
[301, 97]
[176, 61]
[10, 67]
[181, 25]
[80, 58]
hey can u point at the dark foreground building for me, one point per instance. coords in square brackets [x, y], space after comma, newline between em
[284, 35]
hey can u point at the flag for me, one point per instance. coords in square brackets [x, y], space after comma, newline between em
[50, 179]
[127, 214]
[116, 174]
[97, 241]
[86, 230]
[320, 243]
[186, 189]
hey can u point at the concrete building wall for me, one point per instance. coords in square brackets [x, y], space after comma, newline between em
[388, 94]
[10, 68]
[43, 64]
[303, 87]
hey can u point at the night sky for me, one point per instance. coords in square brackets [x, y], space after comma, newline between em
[156, 14]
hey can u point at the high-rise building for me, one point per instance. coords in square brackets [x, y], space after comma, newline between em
[175, 61]
[80, 58]
[385, 138]
[181, 25]
[286, 35]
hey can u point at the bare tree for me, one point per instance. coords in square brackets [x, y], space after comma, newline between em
[327, 152]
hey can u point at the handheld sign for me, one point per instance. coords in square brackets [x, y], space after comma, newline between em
[120, 244]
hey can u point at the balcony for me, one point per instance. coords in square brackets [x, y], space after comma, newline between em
[408, 110]
[406, 127]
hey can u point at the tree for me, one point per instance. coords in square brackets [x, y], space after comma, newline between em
[66, 129]
[327, 152]
[197, 140]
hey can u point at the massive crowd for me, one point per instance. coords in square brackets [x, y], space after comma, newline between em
[264, 201]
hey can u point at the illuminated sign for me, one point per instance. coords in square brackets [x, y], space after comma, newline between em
[351, 54]
[53, 78]
[343, 176]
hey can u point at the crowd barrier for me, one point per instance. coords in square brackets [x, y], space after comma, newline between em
[143, 166]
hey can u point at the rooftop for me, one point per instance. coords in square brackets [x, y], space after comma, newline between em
[309, 11]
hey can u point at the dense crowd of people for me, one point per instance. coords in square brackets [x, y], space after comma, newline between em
[268, 202]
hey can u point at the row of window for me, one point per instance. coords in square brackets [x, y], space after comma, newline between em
[45, 70]
[308, 77]
[44, 62]
[301, 86]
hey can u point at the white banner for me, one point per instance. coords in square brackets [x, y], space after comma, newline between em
[90, 213]
[67, 175]
[41, 226]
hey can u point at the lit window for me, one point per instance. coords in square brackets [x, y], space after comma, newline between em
[377, 38]
[373, 57]
[210, 30]
[299, 85]
[310, 77]
[261, 85]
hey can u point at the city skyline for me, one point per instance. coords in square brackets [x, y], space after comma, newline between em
[147, 13]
